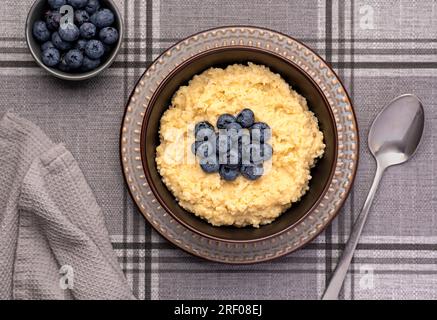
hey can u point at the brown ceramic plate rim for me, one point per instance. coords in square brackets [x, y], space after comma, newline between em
[145, 163]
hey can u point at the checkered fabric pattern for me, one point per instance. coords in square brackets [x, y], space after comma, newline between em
[380, 49]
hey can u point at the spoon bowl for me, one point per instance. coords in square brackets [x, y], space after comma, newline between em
[396, 131]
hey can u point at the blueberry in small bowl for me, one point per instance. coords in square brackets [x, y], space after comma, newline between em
[74, 39]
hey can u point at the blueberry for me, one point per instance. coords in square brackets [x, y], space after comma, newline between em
[233, 126]
[224, 120]
[104, 18]
[260, 131]
[59, 43]
[81, 16]
[74, 58]
[56, 4]
[47, 45]
[77, 4]
[228, 173]
[69, 32]
[88, 30]
[94, 49]
[40, 31]
[80, 44]
[51, 57]
[108, 35]
[266, 151]
[252, 172]
[205, 149]
[246, 118]
[209, 165]
[53, 18]
[89, 64]
[202, 125]
[92, 6]
[260, 126]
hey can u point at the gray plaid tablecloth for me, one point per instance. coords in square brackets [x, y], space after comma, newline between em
[379, 48]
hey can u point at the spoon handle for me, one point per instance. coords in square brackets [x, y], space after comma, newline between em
[333, 289]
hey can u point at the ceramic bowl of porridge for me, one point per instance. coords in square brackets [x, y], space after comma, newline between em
[229, 93]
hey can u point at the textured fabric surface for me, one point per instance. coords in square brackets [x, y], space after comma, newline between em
[380, 49]
[54, 243]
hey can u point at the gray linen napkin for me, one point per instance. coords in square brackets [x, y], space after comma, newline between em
[53, 240]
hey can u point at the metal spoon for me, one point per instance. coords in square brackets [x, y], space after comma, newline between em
[393, 138]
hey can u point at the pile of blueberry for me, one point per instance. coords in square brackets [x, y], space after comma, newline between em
[239, 147]
[80, 46]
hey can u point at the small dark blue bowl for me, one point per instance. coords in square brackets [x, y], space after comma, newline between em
[37, 12]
